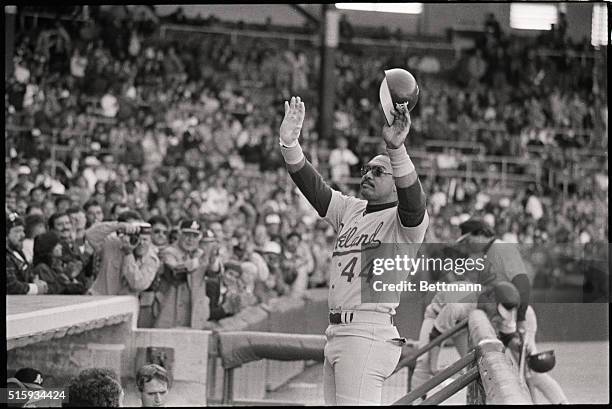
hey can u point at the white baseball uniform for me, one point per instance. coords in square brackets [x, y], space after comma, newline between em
[359, 356]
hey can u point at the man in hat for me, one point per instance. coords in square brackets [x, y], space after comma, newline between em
[273, 224]
[503, 262]
[128, 262]
[185, 266]
[18, 280]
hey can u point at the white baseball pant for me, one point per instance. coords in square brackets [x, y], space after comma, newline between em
[358, 359]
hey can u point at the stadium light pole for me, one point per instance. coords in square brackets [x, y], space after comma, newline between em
[327, 89]
[9, 39]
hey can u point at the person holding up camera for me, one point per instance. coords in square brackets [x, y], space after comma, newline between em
[128, 260]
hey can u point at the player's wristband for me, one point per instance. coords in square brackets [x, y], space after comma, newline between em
[292, 154]
[400, 162]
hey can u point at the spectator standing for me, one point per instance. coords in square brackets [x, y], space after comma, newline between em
[184, 270]
[80, 246]
[128, 262]
[61, 224]
[149, 300]
[19, 279]
[273, 253]
[340, 160]
[160, 231]
[299, 258]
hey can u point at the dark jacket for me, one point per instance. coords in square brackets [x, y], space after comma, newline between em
[58, 281]
[18, 272]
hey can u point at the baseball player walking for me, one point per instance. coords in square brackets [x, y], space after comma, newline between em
[363, 346]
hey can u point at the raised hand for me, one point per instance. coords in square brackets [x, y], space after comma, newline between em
[395, 135]
[292, 122]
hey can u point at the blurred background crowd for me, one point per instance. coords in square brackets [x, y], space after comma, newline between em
[109, 123]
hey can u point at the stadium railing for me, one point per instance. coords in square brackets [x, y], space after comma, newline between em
[490, 376]
[312, 39]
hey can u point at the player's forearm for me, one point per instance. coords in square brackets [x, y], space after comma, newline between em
[410, 195]
[307, 179]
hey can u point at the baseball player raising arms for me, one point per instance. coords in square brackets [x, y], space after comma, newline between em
[360, 352]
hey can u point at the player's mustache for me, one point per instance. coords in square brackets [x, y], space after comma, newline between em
[368, 182]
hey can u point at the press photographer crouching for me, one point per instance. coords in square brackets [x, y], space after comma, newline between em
[129, 261]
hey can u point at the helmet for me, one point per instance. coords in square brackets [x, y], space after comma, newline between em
[542, 362]
[398, 90]
[507, 295]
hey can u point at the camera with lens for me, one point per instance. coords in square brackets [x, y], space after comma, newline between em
[134, 238]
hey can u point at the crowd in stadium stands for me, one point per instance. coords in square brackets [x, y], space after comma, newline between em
[183, 136]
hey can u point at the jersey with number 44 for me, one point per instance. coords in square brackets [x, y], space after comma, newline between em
[355, 231]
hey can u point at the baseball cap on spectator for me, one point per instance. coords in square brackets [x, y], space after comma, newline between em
[30, 378]
[272, 247]
[272, 219]
[190, 226]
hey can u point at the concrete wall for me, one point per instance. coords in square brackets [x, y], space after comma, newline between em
[435, 19]
[65, 357]
[116, 347]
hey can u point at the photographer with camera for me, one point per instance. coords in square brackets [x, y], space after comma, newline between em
[128, 260]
